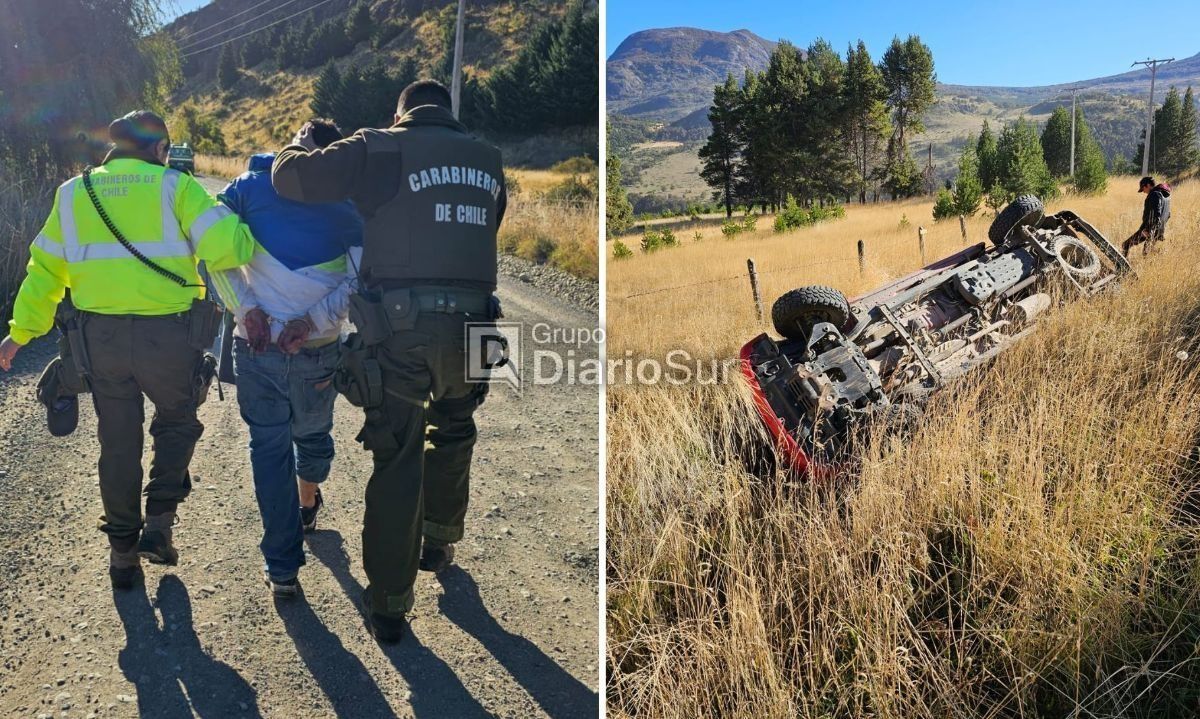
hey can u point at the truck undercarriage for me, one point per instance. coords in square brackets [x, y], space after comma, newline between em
[842, 364]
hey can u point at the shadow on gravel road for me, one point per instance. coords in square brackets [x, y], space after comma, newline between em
[556, 691]
[339, 673]
[173, 674]
[436, 691]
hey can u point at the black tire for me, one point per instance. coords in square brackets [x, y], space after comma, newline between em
[1025, 210]
[795, 313]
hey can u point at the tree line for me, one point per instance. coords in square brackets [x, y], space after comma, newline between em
[994, 170]
[551, 82]
[817, 126]
[1174, 149]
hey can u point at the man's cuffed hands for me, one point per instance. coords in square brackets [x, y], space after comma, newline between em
[258, 329]
[295, 333]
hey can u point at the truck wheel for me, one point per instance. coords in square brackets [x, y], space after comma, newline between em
[795, 313]
[1025, 210]
[1076, 257]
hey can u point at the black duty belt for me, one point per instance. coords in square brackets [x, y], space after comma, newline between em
[451, 301]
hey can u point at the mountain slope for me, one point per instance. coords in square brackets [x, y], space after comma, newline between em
[665, 74]
[660, 83]
[268, 102]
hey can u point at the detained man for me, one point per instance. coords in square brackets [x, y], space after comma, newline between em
[290, 303]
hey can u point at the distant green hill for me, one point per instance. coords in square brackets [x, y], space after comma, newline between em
[660, 85]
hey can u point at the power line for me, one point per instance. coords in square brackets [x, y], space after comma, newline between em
[264, 27]
[210, 38]
[222, 22]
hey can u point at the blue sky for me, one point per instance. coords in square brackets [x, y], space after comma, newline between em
[1016, 43]
[174, 8]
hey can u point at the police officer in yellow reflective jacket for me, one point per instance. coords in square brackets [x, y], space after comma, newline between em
[125, 239]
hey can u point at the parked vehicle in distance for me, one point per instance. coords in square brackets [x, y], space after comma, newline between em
[840, 364]
[181, 157]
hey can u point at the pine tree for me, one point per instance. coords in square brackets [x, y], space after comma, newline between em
[227, 68]
[910, 80]
[1167, 143]
[829, 172]
[1022, 164]
[1056, 142]
[985, 152]
[255, 50]
[968, 189]
[758, 160]
[358, 23]
[868, 121]
[510, 99]
[570, 75]
[1189, 126]
[902, 177]
[1090, 174]
[618, 212]
[720, 156]
[327, 92]
[289, 51]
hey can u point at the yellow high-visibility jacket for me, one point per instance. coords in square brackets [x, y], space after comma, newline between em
[164, 213]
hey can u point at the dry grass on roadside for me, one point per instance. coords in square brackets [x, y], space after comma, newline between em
[1032, 551]
[561, 234]
[226, 168]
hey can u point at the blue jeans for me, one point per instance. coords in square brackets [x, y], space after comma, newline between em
[287, 402]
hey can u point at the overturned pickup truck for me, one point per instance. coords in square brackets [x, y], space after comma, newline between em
[840, 363]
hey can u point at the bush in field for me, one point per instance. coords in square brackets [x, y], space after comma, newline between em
[793, 216]
[749, 223]
[575, 166]
[731, 228]
[654, 240]
[621, 250]
[944, 207]
[573, 189]
[697, 235]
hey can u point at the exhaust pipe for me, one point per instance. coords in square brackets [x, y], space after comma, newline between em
[1026, 310]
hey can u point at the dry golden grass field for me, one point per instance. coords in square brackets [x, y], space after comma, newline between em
[1033, 550]
[536, 228]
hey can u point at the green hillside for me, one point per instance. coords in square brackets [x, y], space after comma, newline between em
[273, 86]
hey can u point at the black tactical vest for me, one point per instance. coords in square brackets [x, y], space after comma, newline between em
[441, 224]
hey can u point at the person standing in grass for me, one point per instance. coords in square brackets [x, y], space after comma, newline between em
[290, 303]
[1156, 210]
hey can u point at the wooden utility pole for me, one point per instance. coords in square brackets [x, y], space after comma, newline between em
[1153, 65]
[456, 81]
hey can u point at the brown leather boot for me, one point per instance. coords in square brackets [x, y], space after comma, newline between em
[155, 545]
[124, 564]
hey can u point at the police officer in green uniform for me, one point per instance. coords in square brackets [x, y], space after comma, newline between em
[432, 197]
[125, 238]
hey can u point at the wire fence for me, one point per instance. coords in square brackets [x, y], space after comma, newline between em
[741, 276]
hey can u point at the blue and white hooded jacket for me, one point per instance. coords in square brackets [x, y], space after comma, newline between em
[300, 261]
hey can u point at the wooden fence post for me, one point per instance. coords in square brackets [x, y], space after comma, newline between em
[962, 227]
[862, 258]
[754, 288]
[921, 243]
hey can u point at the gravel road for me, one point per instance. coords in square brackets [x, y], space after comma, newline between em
[511, 631]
